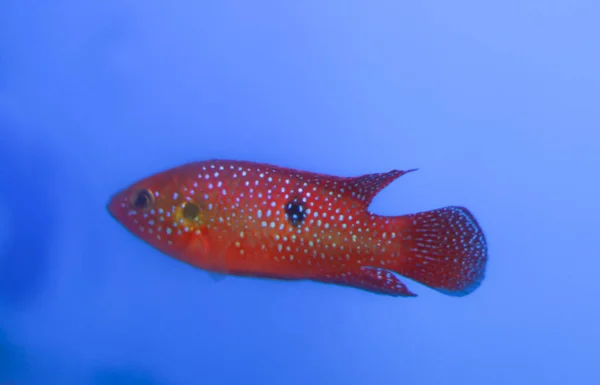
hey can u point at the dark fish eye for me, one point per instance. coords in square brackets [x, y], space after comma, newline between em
[295, 212]
[142, 199]
[191, 210]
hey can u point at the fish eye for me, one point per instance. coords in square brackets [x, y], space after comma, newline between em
[142, 199]
[191, 210]
[295, 212]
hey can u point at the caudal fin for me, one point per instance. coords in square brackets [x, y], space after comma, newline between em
[444, 249]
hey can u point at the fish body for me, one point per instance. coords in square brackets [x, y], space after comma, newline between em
[260, 220]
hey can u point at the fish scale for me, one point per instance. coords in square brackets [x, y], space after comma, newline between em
[260, 220]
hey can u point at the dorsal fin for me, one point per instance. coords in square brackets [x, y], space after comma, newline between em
[365, 187]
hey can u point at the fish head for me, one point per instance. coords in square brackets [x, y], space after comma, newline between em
[162, 210]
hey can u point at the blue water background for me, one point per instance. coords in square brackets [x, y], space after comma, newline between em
[495, 102]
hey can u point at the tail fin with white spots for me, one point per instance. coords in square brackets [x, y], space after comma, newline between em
[444, 249]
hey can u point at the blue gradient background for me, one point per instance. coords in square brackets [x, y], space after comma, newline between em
[495, 102]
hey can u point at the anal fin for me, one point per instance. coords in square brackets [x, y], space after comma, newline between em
[373, 279]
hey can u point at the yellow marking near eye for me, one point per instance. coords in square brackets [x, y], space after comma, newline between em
[190, 214]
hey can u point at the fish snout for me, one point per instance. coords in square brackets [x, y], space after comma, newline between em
[115, 207]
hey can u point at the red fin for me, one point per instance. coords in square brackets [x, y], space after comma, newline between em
[373, 279]
[362, 188]
[444, 249]
[365, 187]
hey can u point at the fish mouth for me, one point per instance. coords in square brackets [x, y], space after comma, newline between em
[112, 206]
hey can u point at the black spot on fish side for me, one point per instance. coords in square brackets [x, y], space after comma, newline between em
[191, 210]
[295, 212]
[142, 199]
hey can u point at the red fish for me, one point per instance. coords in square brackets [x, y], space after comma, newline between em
[260, 220]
